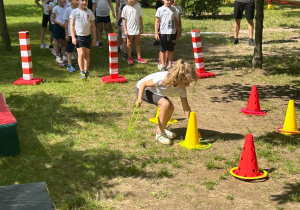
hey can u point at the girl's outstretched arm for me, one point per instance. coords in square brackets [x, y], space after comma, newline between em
[148, 83]
[186, 107]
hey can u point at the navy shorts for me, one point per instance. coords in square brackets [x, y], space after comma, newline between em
[84, 41]
[70, 46]
[45, 20]
[58, 32]
[105, 19]
[51, 26]
[167, 42]
[150, 97]
[239, 8]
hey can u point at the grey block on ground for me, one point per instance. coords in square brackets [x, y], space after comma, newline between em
[32, 196]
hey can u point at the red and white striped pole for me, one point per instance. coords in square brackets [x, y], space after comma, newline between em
[198, 54]
[113, 61]
[26, 58]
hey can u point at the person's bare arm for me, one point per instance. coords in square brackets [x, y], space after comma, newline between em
[156, 28]
[148, 83]
[186, 107]
[37, 2]
[141, 25]
[72, 29]
[93, 25]
[112, 8]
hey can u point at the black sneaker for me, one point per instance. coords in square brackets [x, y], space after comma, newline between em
[251, 42]
[236, 41]
[156, 43]
[163, 69]
[87, 74]
[50, 47]
[100, 45]
[125, 56]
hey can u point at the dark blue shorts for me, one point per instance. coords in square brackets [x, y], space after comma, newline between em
[45, 20]
[239, 8]
[105, 19]
[70, 46]
[84, 41]
[167, 42]
[58, 32]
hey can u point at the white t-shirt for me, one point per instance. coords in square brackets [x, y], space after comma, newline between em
[59, 12]
[45, 7]
[166, 16]
[67, 17]
[178, 12]
[102, 8]
[132, 15]
[83, 20]
[158, 87]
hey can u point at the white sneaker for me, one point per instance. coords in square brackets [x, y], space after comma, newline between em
[64, 58]
[159, 66]
[58, 59]
[162, 138]
[44, 46]
[170, 134]
[53, 52]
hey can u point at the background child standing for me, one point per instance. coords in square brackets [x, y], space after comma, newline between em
[166, 23]
[44, 7]
[59, 29]
[133, 28]
[155, 89]
[82, 20]
[103, 17]
[69, 45]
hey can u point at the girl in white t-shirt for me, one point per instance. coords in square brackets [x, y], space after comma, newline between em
[155, 89]
[133, 28]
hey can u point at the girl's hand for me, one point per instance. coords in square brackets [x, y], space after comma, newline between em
[139, 103]
[156, 37]
[74, 41]
[141, 31]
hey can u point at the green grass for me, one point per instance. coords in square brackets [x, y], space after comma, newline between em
[74, 134]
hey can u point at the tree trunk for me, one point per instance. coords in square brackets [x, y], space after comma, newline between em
[3, 29]
[259, 20]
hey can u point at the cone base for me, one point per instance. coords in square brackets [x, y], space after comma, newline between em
[287, 132]
[196, 147]
[155, 120]
[246, 112]
[108, 79]
[204, 75]
[262, 174]
[33, 81]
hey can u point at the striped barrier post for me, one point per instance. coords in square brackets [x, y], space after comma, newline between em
[198, 54]
[26, 58]
[113, 61]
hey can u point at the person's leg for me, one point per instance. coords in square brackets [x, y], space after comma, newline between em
[129, 45]
[107, 29]
[100, 30]
[43, 35]
[124, 45]
[86, 59]
[63, 48]
[237, 26]
[120, 40]
[81, 56]
[137, 39]
[165, 114]
[170, 58]
[56, 47]
[250, 28]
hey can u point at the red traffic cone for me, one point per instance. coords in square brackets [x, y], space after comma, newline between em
[253, 107]
[248, 166]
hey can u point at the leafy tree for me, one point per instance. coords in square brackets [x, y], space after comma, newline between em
[3, 28]
[196, 7]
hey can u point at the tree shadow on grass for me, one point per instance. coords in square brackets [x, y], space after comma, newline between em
[276, 138]
[291, 194]
[75, 175]
[208, 135]
[237, 91]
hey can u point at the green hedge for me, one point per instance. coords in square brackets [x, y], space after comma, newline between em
[197, 7]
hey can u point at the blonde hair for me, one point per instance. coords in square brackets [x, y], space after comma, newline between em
[180, 72]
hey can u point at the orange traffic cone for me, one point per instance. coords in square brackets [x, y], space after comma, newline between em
[248, 166]
[290, 122]
[253, 107]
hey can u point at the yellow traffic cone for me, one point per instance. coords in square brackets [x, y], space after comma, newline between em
[270, 7]
[155, 120]
[192, 135]
[290, 122]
